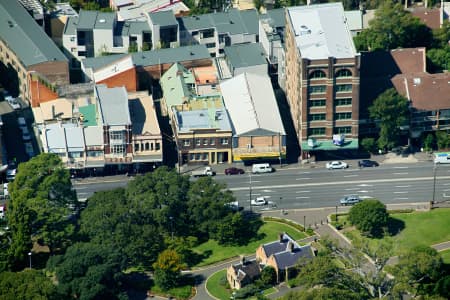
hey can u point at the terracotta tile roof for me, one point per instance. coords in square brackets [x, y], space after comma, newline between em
[431, 17]
[426, 91]
[410, 60]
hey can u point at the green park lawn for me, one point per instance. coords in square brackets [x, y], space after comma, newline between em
[269, 231]
[413, 229]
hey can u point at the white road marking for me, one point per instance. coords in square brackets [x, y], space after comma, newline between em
[446, 184]
[400, 167]
[306, 178]
[354, 175]
[402, 186]
[302, 197]
[253, 181]
[401, 198]
[304, 173]
[365, 197]
[446, 190]
[81, 188]
[404, 173]
[402, 192]
[365, 184]
[267, 191]
[352, 189]
[363, 191]
[298, 192]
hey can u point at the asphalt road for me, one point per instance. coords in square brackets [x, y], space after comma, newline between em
[297, 187]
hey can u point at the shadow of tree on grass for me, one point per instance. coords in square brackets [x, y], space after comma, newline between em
[395, 226]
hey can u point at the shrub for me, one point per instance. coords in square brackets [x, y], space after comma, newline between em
[246, 292]
[369, 217]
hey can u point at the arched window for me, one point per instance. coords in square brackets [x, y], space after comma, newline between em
[343, 73]
[317, 74]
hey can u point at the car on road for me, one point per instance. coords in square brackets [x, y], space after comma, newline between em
[366, 163]
[259, 201]
[336, 165]
[234, 171]
[350, 200]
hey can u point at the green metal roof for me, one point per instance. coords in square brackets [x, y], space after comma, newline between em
[163, 18]
[322, 145]
[89, 113]
[244, 55]
[234, 21]
[25, 37]
[174, 84]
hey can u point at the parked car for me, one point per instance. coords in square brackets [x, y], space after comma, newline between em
[25, 134]
[367, 163]
[22, 122]
[14, 103]
[350, 200]
[259, 201]
[11, 174]
[29, 149]
[234, 171]
[336, 165]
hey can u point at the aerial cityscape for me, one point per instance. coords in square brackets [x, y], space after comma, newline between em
[227, 149]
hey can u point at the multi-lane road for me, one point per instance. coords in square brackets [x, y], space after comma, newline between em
[298, 187]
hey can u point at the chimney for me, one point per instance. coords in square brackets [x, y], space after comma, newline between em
[242, 259]
[290, 246]
[280, 237]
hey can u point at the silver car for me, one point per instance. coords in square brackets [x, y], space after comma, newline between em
[350, 200]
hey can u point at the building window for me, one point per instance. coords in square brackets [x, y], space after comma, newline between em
[116, 135]
[157, 146]
[81, 53]
[186, 143]
[317, 102]
[343, 101]
[94, 153]
[342, 130]
[316, 117]
[118, 149]
[343, 116]
[198, 142]
[136, 147]
[224, 141]
[205, 142]
[317, 74]
[343, 73]
[194, 33]
[197, 156]
[210, 45]
[316, 131]
[205, 156]
[207, 34]
[343, 88]
[147, 146]
[191, 156]
[317, 89]
[212, 141]
[72, 39]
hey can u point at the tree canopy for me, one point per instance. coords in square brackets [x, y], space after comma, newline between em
[369, 216]
[393, 27]
[26, 285]
[391, 111]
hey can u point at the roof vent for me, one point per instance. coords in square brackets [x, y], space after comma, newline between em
[416, 80]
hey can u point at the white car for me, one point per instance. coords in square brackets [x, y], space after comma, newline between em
[14, 104]
[259, 201]
[336, 165]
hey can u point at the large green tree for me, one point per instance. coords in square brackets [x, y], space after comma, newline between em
[393, 27]
[369, 216]
[391, 111]
[168, 268]
[26, 285]
[42, 205]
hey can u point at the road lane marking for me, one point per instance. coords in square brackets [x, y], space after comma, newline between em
[302, 197]
[402, 186]
[353, 175]
[304, 173]
[81, 188]
[306, 178]
[352, 189]
[399, 198]
[402, 192]
[400, 167]
[302, 185]
[365, 197]
[298, 192]
[365, 184]
[404, 173]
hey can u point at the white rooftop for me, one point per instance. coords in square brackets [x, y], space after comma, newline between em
[321, 31]
[251, 104]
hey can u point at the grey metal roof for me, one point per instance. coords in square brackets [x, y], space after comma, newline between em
[128, 28]
[56, 141]
[25, 37]
[163, 18]
[90, 19]
[287, 258]
[153, 57]
[113, 104]
[71, 25]
[93, 135]
[234, 21]
[277, 17]
[74, 138]
[244, 55]
[202, 119]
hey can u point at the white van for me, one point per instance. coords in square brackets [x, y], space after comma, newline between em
[262, 168]
[442, 158]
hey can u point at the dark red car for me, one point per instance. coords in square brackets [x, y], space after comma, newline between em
[234, 171]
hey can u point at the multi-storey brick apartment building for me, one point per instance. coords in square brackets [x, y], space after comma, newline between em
[322, 77]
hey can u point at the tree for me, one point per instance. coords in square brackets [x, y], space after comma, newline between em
[122, 224]
[393, 27]
[418, 268]
[168, 268]
[268, 275]
[88, 271]
[322, 293]
[369, 216]
[28, 284]
[440, 58]
[369, 145]
[442, 139]
[428, 143]
[42, 205]
[391, 110]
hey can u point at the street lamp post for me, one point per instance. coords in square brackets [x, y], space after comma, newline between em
[29, 258]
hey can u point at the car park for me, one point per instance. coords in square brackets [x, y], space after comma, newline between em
[259, 201]
[336, 165]
[366, 163]
[350, 200]
[234, 171]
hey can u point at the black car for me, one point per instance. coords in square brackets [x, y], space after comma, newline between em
[367, 163]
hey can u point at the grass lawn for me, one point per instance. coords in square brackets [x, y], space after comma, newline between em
[268, 232]
[182, 292]
[215, 289]
[413, 229]
[446, 256]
